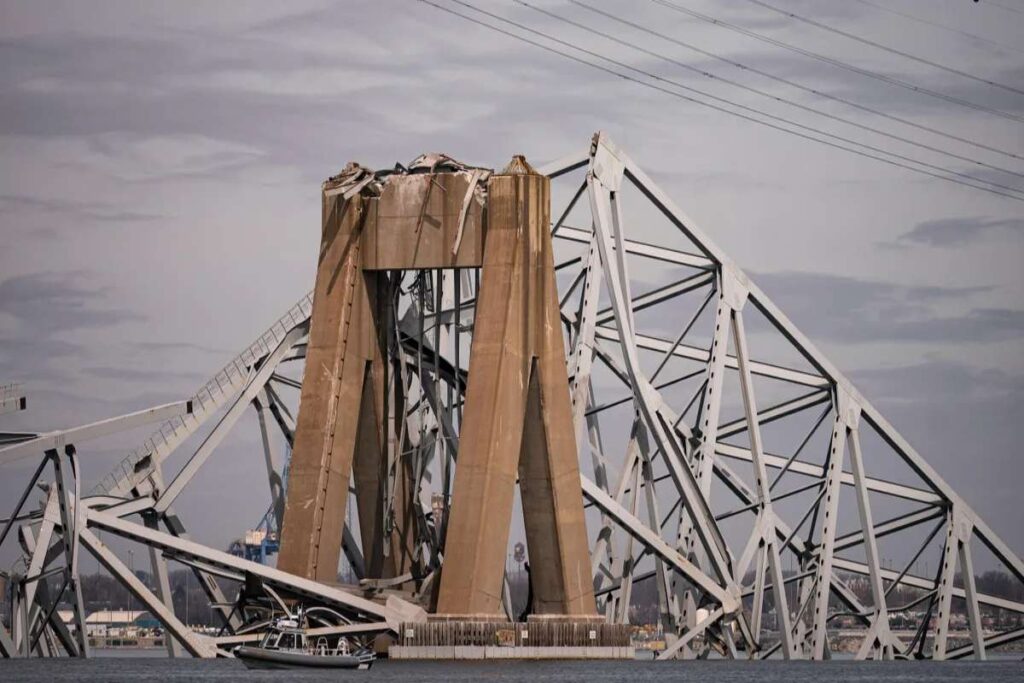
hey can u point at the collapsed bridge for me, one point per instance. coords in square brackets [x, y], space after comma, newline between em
[464, 356]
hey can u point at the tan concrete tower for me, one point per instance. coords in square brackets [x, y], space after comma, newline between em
[517, 421]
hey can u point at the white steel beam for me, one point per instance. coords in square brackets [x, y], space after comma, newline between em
[826, 541]
[195, 551]
[197, 645]
[944, 586]
[770, 550]
[818, 472]
[674, 256]
[700, 355]
[633, 526]
[880, 627]
[58, 439]
[971, 599]
[253, 387]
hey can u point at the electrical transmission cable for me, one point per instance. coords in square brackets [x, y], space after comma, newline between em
[760, 92]
[886, 48]
[687, 98]
[742, 86]
[944, 27]
[892, 80]
[804, 88]
[741, 106]
[1000, 5]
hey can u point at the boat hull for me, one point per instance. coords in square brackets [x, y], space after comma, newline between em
[259, 658]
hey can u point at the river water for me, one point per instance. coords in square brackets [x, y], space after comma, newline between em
[162, 670]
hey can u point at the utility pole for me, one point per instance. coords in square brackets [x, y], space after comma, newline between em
[131, 566]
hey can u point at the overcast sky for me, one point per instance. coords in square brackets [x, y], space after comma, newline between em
[160, 169]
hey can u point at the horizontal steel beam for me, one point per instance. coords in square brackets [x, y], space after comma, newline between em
[297, 585]
[659, 295]
[776, 412]
[861, 568]
[889, 527]
[58, 439]
[566, 164]
[817, 471]
[702, 356]
[680, 258]
[996, 640]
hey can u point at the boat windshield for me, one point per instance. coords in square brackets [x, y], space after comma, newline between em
[282, 640]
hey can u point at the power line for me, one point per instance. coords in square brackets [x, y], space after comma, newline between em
[892, 80]
[723, 100]
[1000, 5]
[886, 48]
[767, 94]
[944, 27]
[759, 92]
[681, 96]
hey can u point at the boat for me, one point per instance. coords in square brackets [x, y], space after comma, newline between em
[287, 645]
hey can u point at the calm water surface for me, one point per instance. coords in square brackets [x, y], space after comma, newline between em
[166, 671]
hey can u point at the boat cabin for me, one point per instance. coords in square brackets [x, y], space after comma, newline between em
[284, 635]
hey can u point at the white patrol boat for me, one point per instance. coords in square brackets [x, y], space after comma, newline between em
[287, 645]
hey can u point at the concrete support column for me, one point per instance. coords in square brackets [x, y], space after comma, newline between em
[338, 424]
[517, 421]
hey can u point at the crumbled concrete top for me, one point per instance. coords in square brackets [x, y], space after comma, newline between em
[358, 179]
[519, 166]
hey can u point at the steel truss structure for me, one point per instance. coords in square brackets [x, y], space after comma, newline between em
[722, 457]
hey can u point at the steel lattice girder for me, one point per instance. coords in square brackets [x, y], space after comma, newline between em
[616, 326]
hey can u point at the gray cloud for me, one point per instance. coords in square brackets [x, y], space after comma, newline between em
[47, 309]
[151, 346]
[93, 212]
[852, 293]
[30, 358]
[954, 416]
[209, 86]
[955, 232]
[901, 100]
[853, 310]
[939, 381]
[48, 303]
[139, 375]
